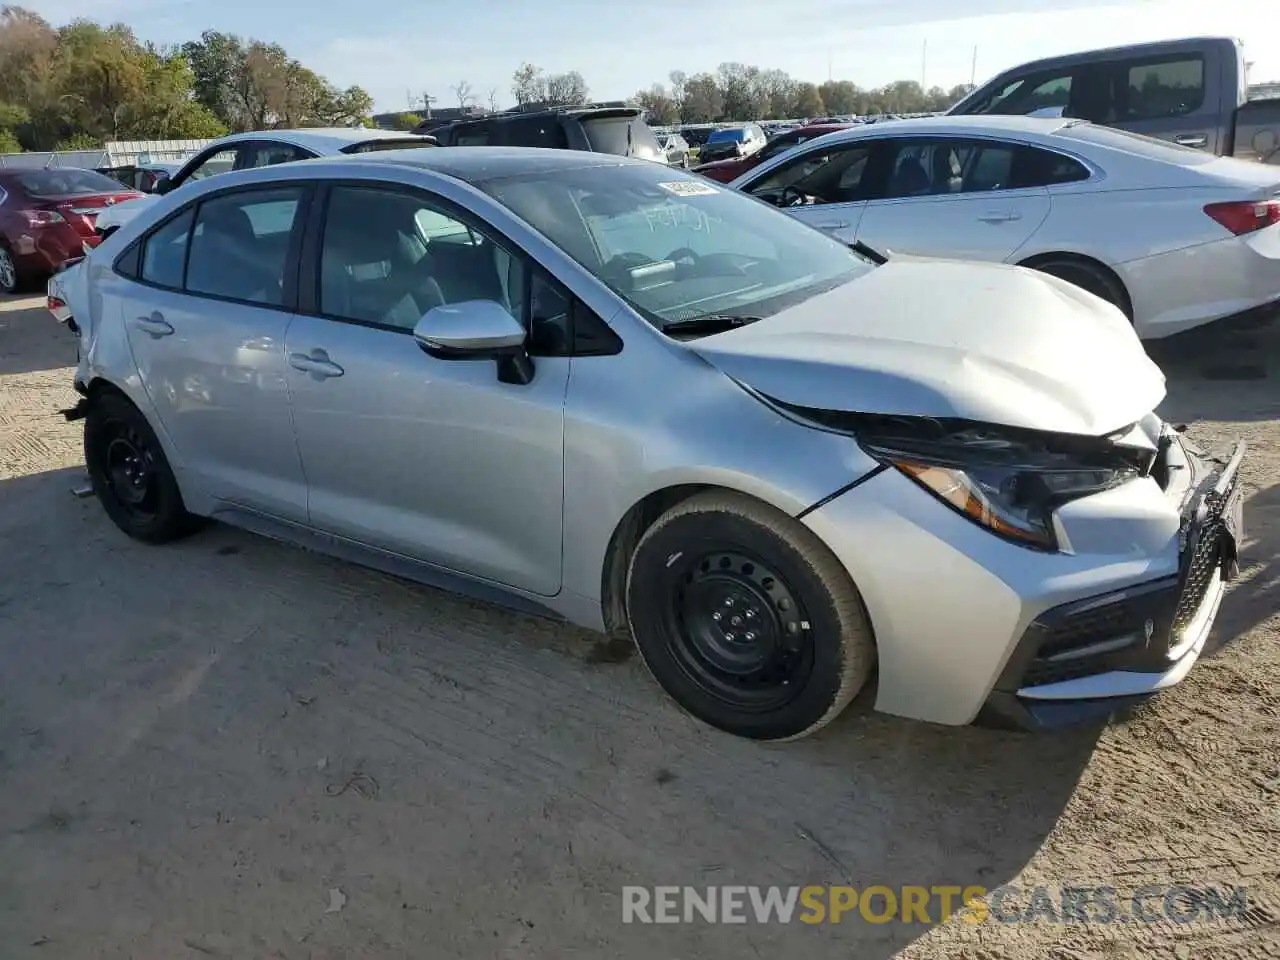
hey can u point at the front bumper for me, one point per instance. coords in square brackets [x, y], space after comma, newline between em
[971, 627]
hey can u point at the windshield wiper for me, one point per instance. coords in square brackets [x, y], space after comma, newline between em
[709, 323]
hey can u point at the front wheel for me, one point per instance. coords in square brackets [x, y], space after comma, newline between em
[746, 618]
[10, 282]
[130, 475]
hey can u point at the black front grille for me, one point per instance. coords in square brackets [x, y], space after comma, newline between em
[1128, 628]
[1198, 573]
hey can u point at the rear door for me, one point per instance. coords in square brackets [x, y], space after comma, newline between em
[206, 312]
[1169, 98]
[954, 198]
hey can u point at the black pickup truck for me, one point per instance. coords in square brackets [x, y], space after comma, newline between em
[1193, 92]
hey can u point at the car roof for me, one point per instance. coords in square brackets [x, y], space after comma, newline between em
[991, 125]
[480, 164]
[320, 139]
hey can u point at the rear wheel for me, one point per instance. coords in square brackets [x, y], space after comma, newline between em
[130, 474]
[1088, 276]
[746, 618]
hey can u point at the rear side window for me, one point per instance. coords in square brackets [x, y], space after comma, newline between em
[471, 135]
[240, 245]
[624, 136]
[165, 252]
[1168, 88]
[1033, 167]
[535, 132]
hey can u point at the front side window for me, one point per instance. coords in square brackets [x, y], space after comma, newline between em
[165, 252]
[676, 246]
[1023, 95]
[269, 154]
[240, 245]
[389, 257]
[221, 162]
[834, 175]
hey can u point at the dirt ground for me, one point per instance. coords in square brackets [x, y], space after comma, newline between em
[199, 742]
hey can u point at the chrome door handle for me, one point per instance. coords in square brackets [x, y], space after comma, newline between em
[155, 325]
[1000, 216]
[1197, 140]
[317, 364]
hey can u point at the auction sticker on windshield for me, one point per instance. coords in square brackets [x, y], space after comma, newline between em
[688, 188]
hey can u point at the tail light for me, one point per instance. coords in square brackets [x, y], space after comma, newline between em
[1245, 216]
[41, 218]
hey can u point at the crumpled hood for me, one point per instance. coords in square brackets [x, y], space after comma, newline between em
[938, 338]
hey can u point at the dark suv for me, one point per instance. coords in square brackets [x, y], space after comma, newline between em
[619, 130]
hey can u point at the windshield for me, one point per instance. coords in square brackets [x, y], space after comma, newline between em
[66, 180]
[677, 246]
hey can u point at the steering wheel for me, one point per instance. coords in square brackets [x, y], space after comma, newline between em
[792, 196]
[684, 253]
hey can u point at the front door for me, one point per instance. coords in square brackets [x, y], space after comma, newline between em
[956, 199]
[209, 345]
[431, 459]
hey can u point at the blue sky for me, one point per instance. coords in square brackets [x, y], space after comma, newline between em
[391, 47]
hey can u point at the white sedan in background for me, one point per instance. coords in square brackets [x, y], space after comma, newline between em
[263, 148]
[1172, 236]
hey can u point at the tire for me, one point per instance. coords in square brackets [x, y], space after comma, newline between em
[721, 552]
[1087, 276]
[130, 474]
[10, 280]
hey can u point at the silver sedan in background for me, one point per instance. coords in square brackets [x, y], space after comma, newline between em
[635, 399]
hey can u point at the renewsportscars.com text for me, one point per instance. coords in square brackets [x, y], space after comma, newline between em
[935, 904]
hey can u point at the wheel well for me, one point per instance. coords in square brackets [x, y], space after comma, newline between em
[98, 386]
[626, 536]
[1040, 259]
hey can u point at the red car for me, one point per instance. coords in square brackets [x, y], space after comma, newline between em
[47, 218]
[726, 170]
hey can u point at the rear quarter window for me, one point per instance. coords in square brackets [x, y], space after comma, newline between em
[624, 136]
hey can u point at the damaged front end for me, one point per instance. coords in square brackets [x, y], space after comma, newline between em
[1009, 480]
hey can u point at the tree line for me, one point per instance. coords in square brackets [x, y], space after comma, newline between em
[78, 85]
[738, 91]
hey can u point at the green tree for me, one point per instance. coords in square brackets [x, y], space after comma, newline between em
[79, 141]
[405, 121]
[809, 101]
[659, 106]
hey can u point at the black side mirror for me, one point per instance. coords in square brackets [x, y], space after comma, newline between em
[162, 185]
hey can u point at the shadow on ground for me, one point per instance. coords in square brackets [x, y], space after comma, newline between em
[198, 742]
[31, 341]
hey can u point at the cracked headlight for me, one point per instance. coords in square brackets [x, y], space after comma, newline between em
[1007, 481]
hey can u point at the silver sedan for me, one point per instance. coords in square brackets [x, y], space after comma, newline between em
[650, 405]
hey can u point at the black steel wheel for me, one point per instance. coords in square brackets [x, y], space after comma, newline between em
[746, 618]
[130, 474]
[738, 629]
